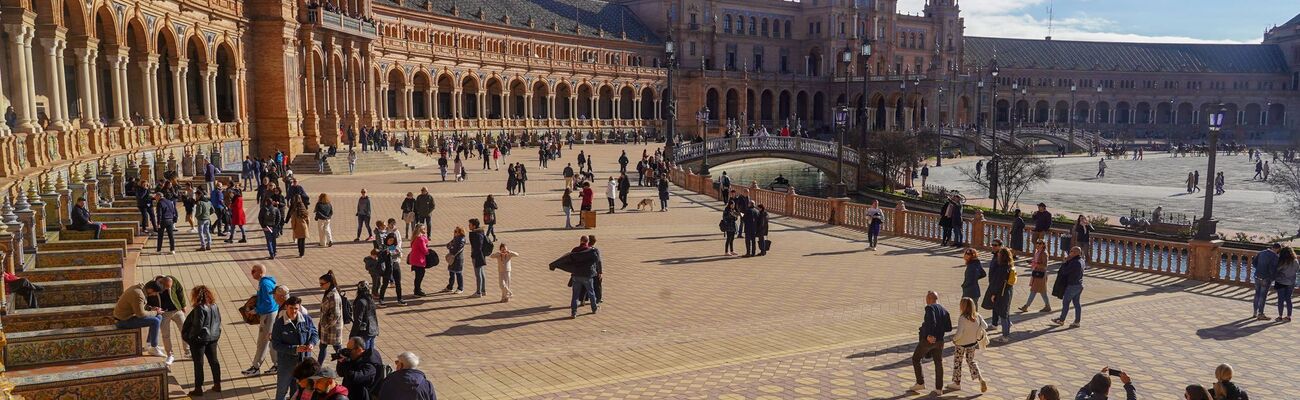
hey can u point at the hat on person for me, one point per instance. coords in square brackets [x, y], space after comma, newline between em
[325, 373]
[1277, 245]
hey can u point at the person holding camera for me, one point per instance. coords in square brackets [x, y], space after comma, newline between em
[359, 368]
[1048, 392]
[1099, 387]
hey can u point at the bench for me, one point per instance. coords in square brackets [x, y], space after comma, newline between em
[72, 258]
[67, 345]
[110, 232]
[67, 244]
[75, 293]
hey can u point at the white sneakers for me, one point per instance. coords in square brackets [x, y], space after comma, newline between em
[156, 352]
[917, 388]
[952, 387]
[170, 359]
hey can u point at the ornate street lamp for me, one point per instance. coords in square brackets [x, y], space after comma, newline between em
[842, 123]
[703, 117]
[670, 49]
[865, 51]
[938, 137]
[1070, 141]
[992, 166]
[1208, 229]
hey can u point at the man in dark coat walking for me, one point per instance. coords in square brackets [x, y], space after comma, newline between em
[424, 207]
[936, 325]
[749, 224]
[624, 186]
[581, 264]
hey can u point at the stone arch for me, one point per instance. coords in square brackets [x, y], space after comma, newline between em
[227, 91]
[563, 100]
[711, 101]
[733, 104]
[1062, 113]
[469, 97]
[766, 106]
[1081, 111]
[541, 100]
[74, 18]
[1122, 113]
[136, 41]
[584, 101]
[1186, 114]
[1142, 113]
[1276, 111]
[196, 58]
[517, 93]
[1253, 113]
[878, 104]
[169, 59]
[495, 90]
[605, 103]
[784, 104]
[1003, 114]
[1041, 111]
[626, 100]
[647, 103]
[394, 96]
[421, 94]
[446, 92]
[819, 107]
[801, 106]
[1164, 113]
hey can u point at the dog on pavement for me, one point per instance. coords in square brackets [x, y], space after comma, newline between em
[646, 204]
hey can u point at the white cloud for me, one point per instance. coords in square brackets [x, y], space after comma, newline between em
[1012, 19]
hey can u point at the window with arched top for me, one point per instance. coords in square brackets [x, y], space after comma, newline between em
[753, 25]
[764, 27]
[776, 28]
[787, 29]
[726, 24]
[921, 43]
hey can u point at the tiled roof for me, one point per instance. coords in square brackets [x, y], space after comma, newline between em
[596, 18]
[1125, 57]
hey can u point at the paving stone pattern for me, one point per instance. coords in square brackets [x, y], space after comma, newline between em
[819, 317]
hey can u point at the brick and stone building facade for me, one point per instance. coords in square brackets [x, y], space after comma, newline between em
[217, 80]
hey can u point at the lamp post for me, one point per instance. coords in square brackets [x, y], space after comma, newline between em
[670, 49]
[993, 128]
[1015, 109]
[865, 51]
[842, 123]
[703, 117]
[1209, 227]
[1070, 140]
[938, 142]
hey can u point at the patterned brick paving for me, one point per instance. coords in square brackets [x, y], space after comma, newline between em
[817, 318]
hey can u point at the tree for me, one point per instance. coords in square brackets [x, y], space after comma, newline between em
[1284, 178]
[891, 152]
[1018, 172]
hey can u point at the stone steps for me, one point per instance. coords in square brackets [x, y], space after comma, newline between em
[59, 245]
[73, 273]
[72, 345]
[110, 232]
[135, 378]
[338, 165]
[81, 292]
[70, 258]
[45, 318]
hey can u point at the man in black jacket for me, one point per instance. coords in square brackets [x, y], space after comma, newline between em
[360, 368]
[624, 186]
[424, 206]
[749, 223]
[479, 248]
[144, 202]
[166, 220]
[937, 325]
[581, 263]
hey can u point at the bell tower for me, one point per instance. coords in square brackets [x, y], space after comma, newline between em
[275, 73]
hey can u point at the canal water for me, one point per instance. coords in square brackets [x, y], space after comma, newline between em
[806, 179]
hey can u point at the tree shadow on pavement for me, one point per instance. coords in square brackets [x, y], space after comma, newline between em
[469, 330]
[689, 260]
[523, 312]
[1234, 330]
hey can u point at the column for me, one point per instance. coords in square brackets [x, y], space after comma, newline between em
[146, 69]
[55, 107]
[24, 100]
[237, 95]
[179, 94]
[428, 104]
[155, 95]
[85, 69]
[616, 105]
[383, 102]
[636, 109]
[210, 93]
[409, 99]
[117, 63]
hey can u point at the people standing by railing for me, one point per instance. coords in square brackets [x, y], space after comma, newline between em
[1265, 265]
[1069, 284]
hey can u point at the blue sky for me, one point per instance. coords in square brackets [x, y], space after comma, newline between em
[1233, 21]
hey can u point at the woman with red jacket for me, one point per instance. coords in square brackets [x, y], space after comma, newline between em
[416, 258]
[237, 217]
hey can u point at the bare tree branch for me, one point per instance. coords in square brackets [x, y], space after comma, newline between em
[1018, 173]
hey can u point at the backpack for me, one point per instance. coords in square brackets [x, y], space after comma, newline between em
[486, 250]
[346, 307]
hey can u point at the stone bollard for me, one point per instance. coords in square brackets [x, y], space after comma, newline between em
[1203, 259]
[105, 185]
[900, 218]
[38, 213]
[23, 210]
[51, 198]
[187, 163]
[92, 188]
[118, 181]
[15, 228]
[65, 200]
[977, 230]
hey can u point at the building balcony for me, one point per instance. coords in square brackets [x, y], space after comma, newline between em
[341, 23]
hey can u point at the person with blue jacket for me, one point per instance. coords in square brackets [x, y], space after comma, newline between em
[218, 200]
[293, 337]
[266, 309]
[1265, 266]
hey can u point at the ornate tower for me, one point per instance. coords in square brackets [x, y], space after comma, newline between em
[276, 71]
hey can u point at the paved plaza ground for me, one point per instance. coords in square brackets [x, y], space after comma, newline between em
[1248, 205]
[817, 318]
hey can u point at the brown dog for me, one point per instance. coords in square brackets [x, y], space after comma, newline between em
[646, 204]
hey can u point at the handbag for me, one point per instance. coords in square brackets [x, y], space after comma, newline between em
[984, 340]
[249, 312]
[408, 217]
[431, 259]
